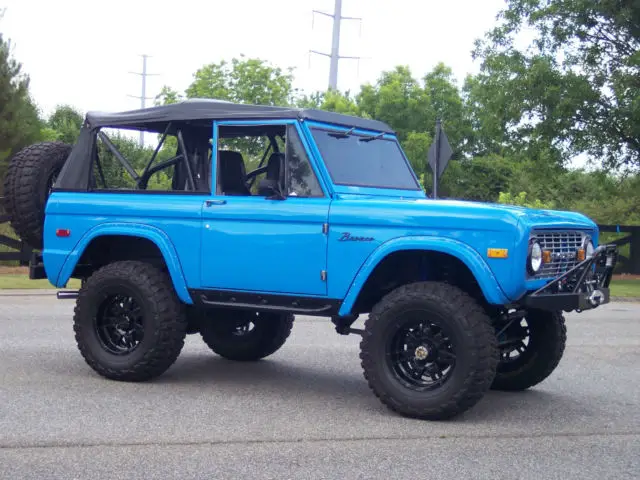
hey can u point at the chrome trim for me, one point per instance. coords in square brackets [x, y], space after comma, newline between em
[564, 245]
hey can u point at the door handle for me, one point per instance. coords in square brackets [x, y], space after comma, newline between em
[209, 203]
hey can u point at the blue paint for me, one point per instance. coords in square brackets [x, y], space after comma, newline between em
[173, 222]
[468, 255]
[254, 244]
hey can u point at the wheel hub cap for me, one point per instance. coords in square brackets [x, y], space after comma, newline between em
[421, 352]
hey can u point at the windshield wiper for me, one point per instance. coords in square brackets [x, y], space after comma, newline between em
[342, 134]
[372, 137]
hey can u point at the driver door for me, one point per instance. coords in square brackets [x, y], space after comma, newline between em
[252, 238]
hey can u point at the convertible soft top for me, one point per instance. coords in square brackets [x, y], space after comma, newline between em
[194, 110]
[193, 115]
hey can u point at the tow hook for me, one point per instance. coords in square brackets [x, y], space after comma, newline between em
[596, 298]
[67, 294]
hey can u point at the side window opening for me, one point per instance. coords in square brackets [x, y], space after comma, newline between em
[178, 162]
[302, 181]
[252, 158]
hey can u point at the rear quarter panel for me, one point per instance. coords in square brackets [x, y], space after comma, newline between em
[174, 219]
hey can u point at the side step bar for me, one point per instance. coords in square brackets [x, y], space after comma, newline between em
[67, 294]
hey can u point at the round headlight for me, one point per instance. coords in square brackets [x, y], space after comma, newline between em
[535, 257]
[588, 248]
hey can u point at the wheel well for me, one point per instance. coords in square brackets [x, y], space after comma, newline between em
[409, 266]
[107, 249]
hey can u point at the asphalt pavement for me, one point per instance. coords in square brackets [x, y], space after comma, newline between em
[306, 412]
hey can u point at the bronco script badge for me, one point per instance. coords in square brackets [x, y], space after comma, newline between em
[346, 237]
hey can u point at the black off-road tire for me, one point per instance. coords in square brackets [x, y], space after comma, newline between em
[541, 356]
[223, 333]
[473, 343]
[27, 186]
[163, 321]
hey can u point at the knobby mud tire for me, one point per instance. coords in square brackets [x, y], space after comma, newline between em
[27, 186]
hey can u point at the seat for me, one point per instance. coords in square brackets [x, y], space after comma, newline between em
[232, 173]
[274, 174]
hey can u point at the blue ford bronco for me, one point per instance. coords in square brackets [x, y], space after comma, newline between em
[245, 215]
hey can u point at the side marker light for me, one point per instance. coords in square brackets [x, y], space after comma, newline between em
[498, 253]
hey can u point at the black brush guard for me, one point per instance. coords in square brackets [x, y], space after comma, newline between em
[584, 287]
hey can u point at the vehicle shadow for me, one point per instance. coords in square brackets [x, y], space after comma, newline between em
[280, 377]
[271, 373]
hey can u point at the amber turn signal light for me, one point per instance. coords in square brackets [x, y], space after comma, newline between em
[497, 253]
[546, 256]
[580, 255]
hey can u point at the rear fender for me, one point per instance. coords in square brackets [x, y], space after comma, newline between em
[470, 257]
[157, 236]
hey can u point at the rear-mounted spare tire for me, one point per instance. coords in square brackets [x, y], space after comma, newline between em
[30, 177]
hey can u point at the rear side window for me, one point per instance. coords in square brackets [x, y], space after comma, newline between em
[364, 161]
[121, 164]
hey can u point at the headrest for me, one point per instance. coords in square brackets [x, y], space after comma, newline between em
[232, 161]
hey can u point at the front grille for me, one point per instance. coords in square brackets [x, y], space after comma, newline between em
[563, 247]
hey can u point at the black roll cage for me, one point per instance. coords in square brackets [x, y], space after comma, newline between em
[142, 179]
[150, 169]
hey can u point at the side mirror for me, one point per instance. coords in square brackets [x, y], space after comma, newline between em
[270, 189]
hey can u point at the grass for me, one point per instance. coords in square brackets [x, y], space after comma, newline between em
[625, 288]
[16, 281]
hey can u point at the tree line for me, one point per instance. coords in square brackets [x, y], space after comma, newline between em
[514, 127]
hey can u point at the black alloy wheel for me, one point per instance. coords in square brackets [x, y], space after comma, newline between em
[421, 354]
[120, 324]
[531, 348]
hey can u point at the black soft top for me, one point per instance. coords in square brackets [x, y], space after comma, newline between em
[196, 116]
[195, 110]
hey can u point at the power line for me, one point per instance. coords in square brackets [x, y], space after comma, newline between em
[335, 42]
[143, 95]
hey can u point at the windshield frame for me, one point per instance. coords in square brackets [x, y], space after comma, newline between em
[356, 188]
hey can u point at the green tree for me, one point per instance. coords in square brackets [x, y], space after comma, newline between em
[446, 103]
[168, 96]
[19, 121]
[398, 99]
[243, 80]
[574, 90]
[66, 122]
[523, 200]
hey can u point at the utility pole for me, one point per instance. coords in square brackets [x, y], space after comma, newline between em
[335, 42]
[143, 95]
[335, 46]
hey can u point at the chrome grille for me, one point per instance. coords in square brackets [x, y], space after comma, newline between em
[563, 247]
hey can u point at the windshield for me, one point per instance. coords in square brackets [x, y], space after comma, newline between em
[364, 161]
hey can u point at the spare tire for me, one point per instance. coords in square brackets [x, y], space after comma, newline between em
[30, 177]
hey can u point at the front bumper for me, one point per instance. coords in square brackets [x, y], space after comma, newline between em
[584, 287]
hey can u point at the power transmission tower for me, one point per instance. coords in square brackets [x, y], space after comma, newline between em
[335, 42]
[143, 95]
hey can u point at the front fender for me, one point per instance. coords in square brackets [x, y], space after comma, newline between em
[157, 236]
[470, 257]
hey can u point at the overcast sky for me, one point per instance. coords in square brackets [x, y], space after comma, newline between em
[80, 52]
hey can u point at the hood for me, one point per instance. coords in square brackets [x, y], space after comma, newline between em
[527, 217]
[462, 214]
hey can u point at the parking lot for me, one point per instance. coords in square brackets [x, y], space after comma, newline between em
[306, 412]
